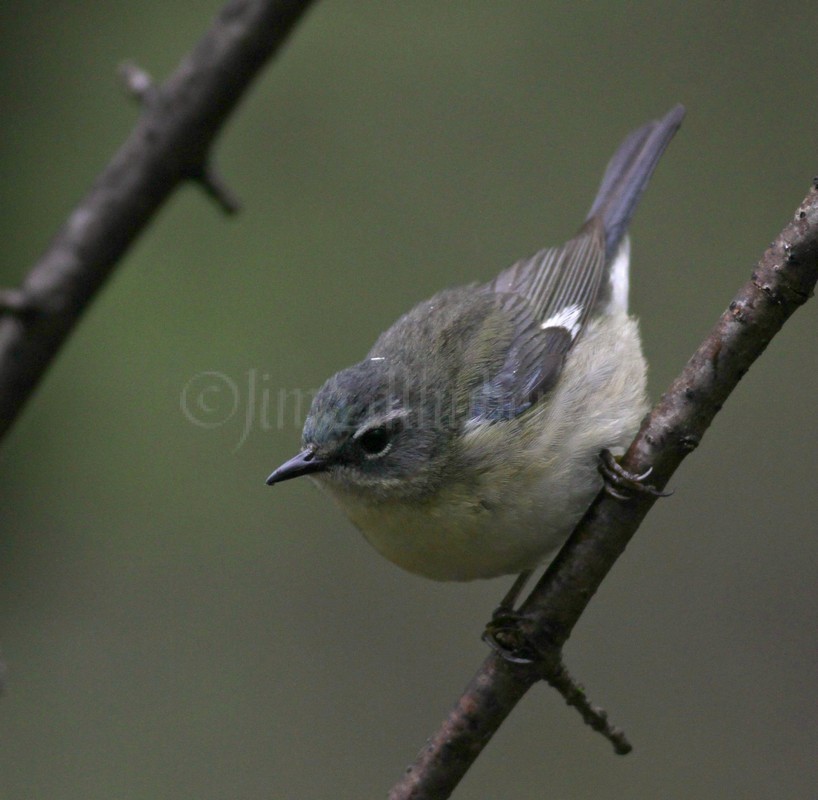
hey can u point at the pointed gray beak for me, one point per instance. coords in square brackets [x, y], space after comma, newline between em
[302, 464]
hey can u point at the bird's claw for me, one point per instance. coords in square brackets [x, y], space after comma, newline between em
[504, 635]
[622, 484]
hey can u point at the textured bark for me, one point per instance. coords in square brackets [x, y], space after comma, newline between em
[169, 144]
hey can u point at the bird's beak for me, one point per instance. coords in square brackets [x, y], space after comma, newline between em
[302, 464]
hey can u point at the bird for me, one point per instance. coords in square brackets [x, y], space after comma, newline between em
[466, 444]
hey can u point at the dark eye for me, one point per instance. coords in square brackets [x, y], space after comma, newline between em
[375, 441]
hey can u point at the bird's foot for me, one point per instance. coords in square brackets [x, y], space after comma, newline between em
[505, 635]
[622, 484]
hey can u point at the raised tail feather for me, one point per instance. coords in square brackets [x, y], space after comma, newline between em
[628, 173]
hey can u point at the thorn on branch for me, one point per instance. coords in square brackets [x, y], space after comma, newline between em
[139, 85]
[17, 302]
[217, 189]
[137, 82]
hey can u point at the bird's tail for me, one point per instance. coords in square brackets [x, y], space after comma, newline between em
[628, 173]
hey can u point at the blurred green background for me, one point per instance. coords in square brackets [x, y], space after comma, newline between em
[174, 629]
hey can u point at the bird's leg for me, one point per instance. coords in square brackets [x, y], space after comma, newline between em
[510, 599]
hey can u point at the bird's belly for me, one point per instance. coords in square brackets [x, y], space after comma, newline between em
[462, 534]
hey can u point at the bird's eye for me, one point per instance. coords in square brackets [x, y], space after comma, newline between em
[375, 441]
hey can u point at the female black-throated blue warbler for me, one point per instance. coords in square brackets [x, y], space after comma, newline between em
[465, 445]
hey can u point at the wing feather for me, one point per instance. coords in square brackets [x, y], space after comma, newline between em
[547, 299]
[559, 277]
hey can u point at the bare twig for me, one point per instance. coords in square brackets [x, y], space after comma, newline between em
[169, 144]
[783, 280]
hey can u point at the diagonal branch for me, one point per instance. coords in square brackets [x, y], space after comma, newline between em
[784, 279]
[169, 144]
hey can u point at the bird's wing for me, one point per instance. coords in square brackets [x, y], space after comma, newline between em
[549, 297]
[546, 299]
[560, 282]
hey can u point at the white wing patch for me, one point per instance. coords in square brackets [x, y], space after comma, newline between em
[567, 318]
